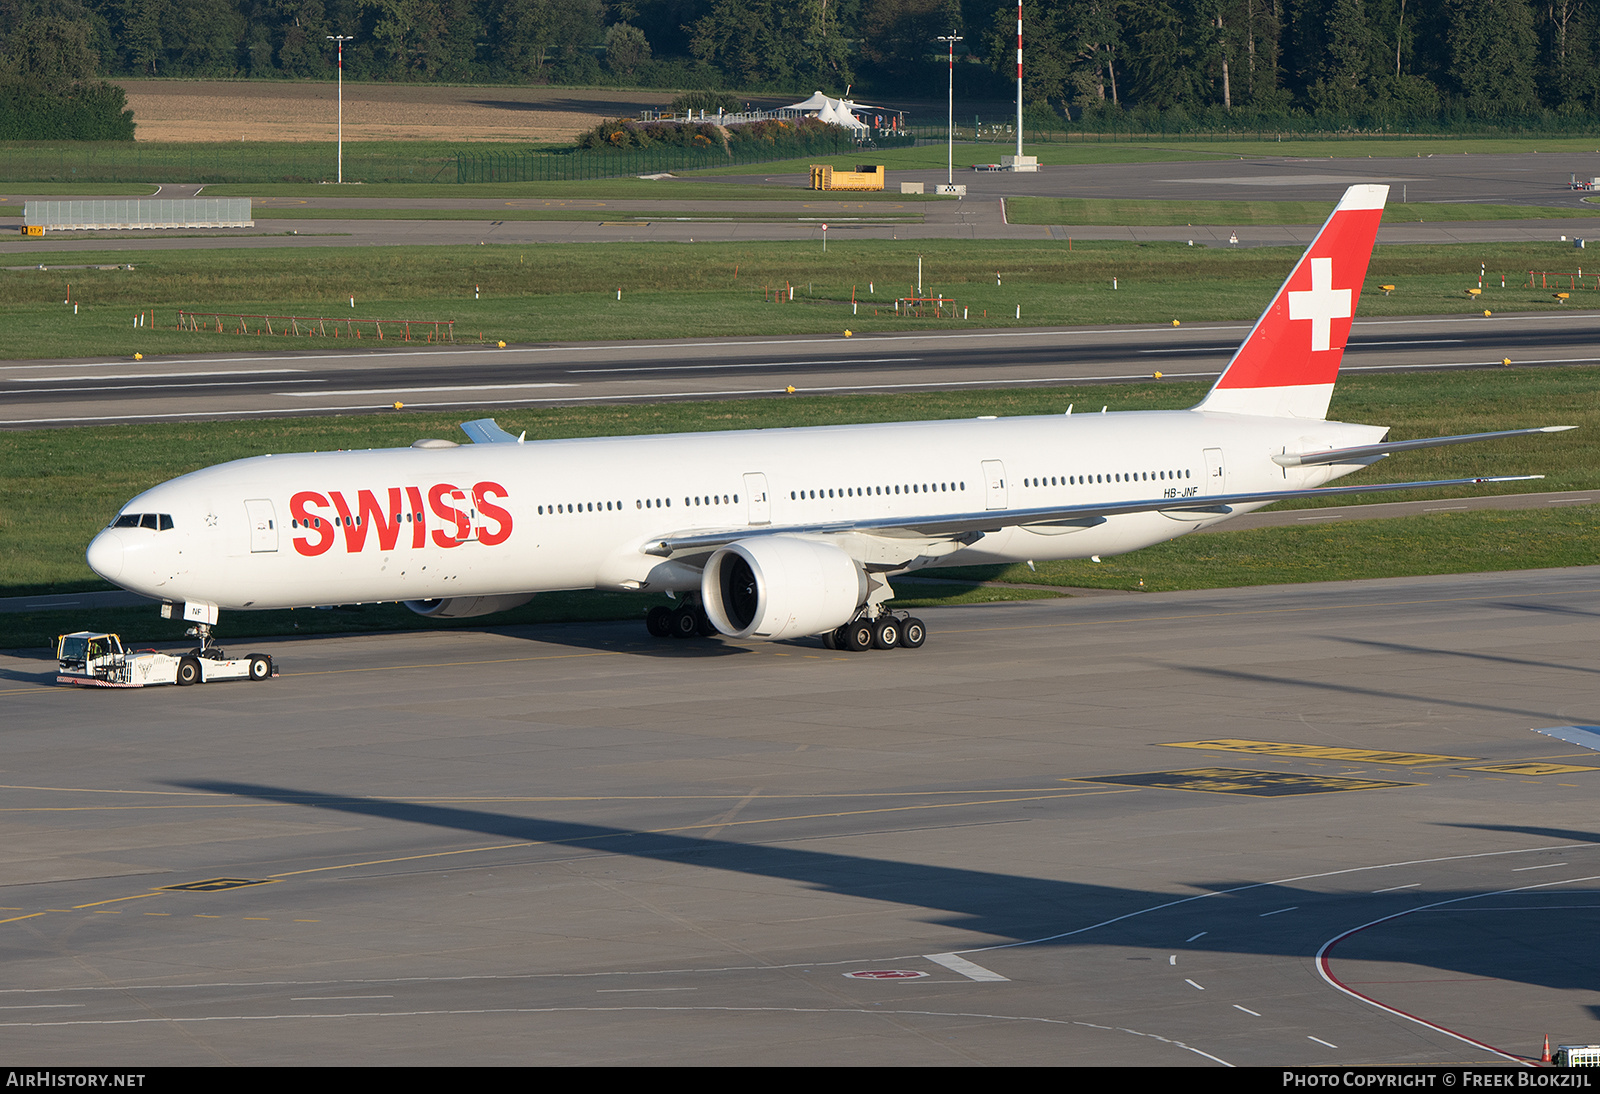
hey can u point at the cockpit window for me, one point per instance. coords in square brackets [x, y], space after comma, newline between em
[159, 522]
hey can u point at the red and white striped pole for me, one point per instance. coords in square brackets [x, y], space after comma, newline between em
[341, 39]
[1019, 81]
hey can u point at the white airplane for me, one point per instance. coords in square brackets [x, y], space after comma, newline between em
[776, 533]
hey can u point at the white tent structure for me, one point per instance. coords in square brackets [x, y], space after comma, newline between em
[836, 113]
[831, 111]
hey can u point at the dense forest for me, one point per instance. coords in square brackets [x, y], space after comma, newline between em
[1355, 62]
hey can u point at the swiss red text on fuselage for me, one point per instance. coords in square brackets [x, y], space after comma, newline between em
[400, 517]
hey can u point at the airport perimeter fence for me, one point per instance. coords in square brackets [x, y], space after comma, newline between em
[1128, 128]
[242, 162]
[565, 165]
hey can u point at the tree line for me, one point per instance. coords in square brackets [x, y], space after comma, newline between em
[1098, 63]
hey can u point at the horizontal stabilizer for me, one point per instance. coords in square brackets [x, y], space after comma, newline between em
[1367, 451]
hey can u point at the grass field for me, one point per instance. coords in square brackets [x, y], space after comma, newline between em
[1232, 213]
[1086, 211]
[568, 291]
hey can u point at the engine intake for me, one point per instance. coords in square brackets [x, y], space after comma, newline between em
[776, 587]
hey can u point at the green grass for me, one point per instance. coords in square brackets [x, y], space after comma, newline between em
[1444, 543]
[568, 291]
[590, 214]
[684, 188]
[78, 189]
[1108, 211]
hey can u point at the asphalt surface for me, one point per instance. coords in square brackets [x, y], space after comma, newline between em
[573, 845]
[331, 379]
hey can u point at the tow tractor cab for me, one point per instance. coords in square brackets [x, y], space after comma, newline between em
[97, 659]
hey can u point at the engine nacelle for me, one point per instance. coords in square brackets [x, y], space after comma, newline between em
[465, 607]
[775, 587]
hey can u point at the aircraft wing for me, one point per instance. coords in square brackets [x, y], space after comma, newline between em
[1367, 451]
[1582, 736]
[952, 525]
[488, 431]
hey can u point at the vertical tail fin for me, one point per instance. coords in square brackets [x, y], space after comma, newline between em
[1287, 366]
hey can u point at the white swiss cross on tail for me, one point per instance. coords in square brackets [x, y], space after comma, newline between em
[1287, 366]
[1321, 304]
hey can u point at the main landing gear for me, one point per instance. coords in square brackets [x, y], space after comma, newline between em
[684, 621]
[887, 632]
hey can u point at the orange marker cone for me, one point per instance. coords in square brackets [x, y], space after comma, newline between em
[1545, 1059]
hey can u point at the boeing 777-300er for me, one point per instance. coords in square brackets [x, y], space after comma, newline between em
[774, 533]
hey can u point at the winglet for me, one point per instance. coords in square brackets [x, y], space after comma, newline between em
[1287, 366]
[486, 431]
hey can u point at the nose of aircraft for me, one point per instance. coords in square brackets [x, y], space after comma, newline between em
[105, 555]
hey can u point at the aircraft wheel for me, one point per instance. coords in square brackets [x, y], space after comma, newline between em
[685, 622]
[886, 633]
[658, 621]
[830, 640]
[703, 625]
[913, 634]
[188, 672]
[260, 667]
[857, 636]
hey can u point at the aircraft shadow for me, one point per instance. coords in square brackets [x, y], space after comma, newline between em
[1016, 909]
[1501, 659]
[1369, 693]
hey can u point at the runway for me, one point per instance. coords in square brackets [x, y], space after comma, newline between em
[327, 379]
[1290, 825]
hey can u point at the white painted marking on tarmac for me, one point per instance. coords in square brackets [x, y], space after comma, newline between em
[1443, 508]
[1172, 959]
[44, 1006]
[1193, 349]
[1193, 985]
[331, 998]
[1397, 888]
[1410, 342]
[1320, 1041]
[1278, 911]
[1247, 1010]
[739, 364]
[971, 971]
[624, 991]
[403, 388]
[1192, 937]
[150, 375]
[1546, 866]
[160, 387]
[1322, 958]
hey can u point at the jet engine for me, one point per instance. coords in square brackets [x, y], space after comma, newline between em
[465, 607]
[781, 587]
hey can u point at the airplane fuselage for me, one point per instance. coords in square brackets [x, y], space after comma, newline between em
[423, 523]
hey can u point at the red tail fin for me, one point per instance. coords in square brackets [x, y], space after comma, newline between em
[1287, 366]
